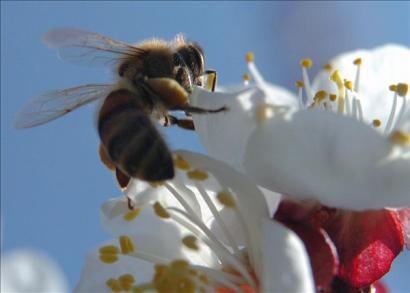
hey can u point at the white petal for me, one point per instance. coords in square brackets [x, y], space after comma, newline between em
[225, 134]
[381, 67]
[333, 158]
[286, 266]
[30, 271]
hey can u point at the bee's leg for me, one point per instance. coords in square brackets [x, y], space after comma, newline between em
[188, 109]
[122, 178]
[212, 78]
[183, 123]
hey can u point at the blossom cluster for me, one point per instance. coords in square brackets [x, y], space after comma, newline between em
[299, 193]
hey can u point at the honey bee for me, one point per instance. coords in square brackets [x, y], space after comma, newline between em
[153, 78]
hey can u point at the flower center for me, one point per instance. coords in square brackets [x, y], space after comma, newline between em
[233, 271]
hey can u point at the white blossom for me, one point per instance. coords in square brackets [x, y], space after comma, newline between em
[208, 228]
[346, 143]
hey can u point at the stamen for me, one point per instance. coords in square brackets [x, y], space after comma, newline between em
[307, 63]
[226, 199]
[377, 123]
[181, 163]
[246, 78]
[401, 138]
[108, 258]
[393, 88]
[336, 78]
[332, 97]
[190, 241]
[299, 85]
[126, 245]
[348, 84]
[187, 194]
[175, 277]
[132, 214]
[253, 70]
[392, 111]
[347, 102]
[359, 109]
[358, 63]
[216, 246]
[224, 279]
[114, 285]
[401, 116]
[328, 67]
[402, 89]
[197, 175]
[249, 57]
[319, 97]
[109, 254]
[160, 211]
[218, 218]
[126, 282]
[181, 199]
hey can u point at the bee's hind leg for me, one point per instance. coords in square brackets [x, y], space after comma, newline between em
[183, 123]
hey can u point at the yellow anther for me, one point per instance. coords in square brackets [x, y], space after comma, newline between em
[402, 89]
[332, 97]
[181, 163]
[175, 277]
[319, 97]
[336, 78]
[126, 244]
[109, 249]
[226, 199]
[132, 214]
[400, 137]
[306, 63]
[197, 175]
[126, 281]
[114, 285]
[328, 67]
[249, 57]
[108, 258]
[190, 241]
[348, 84]
[377, 123]
[180, 264]
[299, 84]
[393, 88]
[160, 211]
[357, 61]
[246, 77]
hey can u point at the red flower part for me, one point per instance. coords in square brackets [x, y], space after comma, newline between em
[366, 242]
[321, 250]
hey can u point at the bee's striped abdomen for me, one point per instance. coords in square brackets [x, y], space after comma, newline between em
[131, 140]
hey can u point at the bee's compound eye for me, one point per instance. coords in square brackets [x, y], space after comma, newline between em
[193, 56]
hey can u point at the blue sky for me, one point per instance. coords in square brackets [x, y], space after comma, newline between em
[52, 180]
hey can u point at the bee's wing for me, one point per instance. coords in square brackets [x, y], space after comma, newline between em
[54, 104]
[82, 47]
